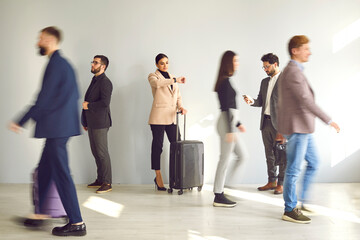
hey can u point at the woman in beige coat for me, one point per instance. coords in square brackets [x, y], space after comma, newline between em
[167, 101]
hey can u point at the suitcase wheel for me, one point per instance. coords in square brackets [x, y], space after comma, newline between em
[199, 188]
[180, 192]
[170, 190]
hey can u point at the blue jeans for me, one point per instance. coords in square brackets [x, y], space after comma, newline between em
[300, 146]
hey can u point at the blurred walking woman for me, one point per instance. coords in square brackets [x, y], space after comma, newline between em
[228, 127]
[167, 101]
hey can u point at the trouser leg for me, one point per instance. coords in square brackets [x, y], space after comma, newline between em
[268, 135]
[295, 154]
[99, 147]
[226, 148]
[57, 159]
[241, 154]
[157, 145]
[312, 159]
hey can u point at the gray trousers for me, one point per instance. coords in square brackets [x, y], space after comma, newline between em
[269, 135]
[99, 149]
[226, 149]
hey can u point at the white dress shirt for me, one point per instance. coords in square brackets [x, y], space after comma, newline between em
[271, 85]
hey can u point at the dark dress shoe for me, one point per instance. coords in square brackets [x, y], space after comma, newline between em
[105, 187]
[29, 222]
[95, 184]
[70, 230]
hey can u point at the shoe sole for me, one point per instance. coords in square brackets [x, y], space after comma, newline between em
[94, 186]
[76, 234]
[224, 205]
[104, 191]
[289, 219]
[277, 193]
[266, 189]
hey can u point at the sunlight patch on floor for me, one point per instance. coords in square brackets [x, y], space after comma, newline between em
[106, 207]
[194, 235]
[318, 210]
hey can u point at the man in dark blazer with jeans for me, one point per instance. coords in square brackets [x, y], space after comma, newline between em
[267, 100]
[57, 119]
[96, 119]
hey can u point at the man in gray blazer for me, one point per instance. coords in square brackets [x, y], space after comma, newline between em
[267, 99]
[297, 111]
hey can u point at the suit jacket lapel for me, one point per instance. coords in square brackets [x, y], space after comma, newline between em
[91, 87]
[266, 86]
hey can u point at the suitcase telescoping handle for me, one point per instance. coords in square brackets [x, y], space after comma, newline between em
[177, 125]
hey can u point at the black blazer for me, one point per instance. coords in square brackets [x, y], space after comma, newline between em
[261, 100]
[98, 95]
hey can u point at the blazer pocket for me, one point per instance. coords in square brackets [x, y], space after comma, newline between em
[161, 105]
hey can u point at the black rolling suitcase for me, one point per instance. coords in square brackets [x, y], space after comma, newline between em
[186, 168]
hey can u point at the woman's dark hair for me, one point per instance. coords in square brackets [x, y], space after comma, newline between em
[226, 68]
[159, 57]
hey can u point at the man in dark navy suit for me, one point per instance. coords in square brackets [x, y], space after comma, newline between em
[96, 119]
[57, 119]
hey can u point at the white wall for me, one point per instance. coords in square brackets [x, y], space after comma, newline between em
[193, 34]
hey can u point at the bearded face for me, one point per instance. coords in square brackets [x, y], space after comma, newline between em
[95, 70]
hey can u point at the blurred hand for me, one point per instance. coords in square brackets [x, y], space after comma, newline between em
[85, 105]
[230, 137]
[14, 127]
[85, 128]
[248, 100]
[180, 79]
[183, 111]
[334, 125]
[241, 128]
[280, 138]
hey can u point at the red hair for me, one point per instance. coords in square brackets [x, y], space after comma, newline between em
[297, 41]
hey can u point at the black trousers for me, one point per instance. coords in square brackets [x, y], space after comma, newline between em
[158, 140]
[99, 148]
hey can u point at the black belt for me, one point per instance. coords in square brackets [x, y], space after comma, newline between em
[267, 116]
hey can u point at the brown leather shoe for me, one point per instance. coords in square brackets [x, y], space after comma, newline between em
[278, 189]
[268, 186]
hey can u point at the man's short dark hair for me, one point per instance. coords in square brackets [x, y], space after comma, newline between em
[104, 60]
[54, 31]
[271, 58]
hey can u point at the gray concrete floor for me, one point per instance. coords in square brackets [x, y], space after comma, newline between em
[140, 212]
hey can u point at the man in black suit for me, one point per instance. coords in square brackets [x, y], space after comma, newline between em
[96, 119]
[267, 99]
[56, 115]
